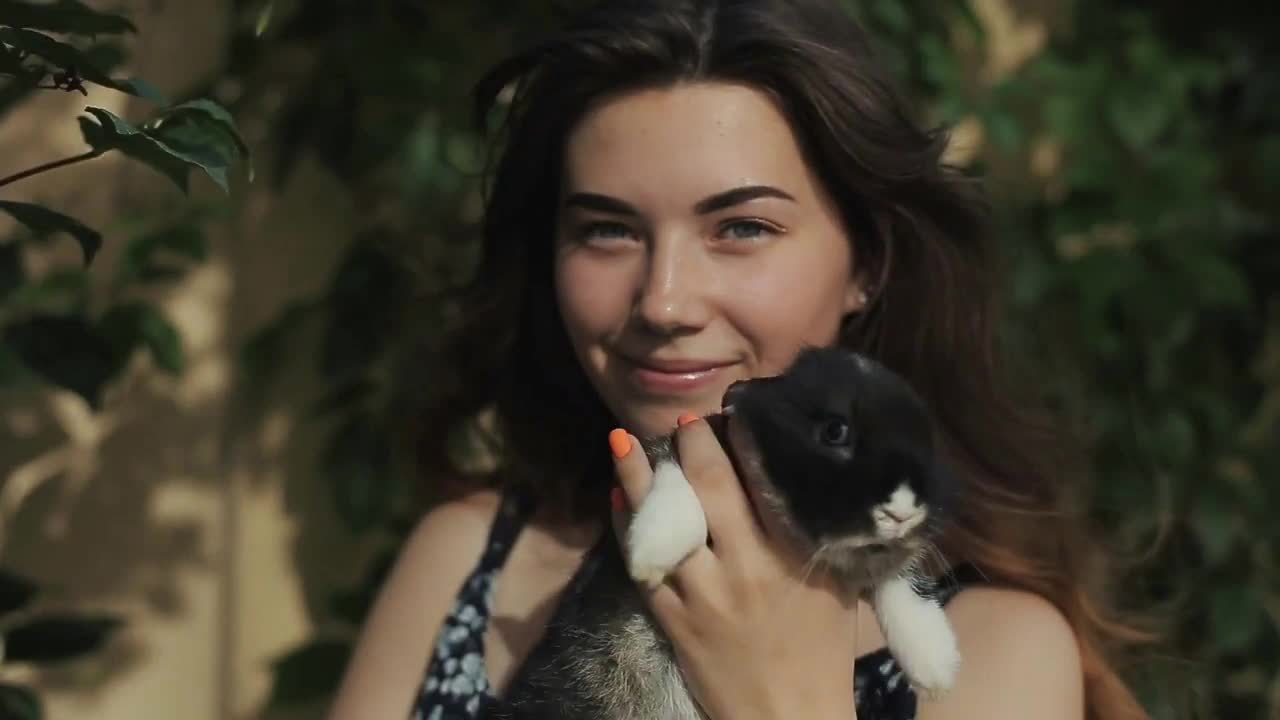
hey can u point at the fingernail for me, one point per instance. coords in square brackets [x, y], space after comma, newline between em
[685, 419]
[619, 443]
[616, 499]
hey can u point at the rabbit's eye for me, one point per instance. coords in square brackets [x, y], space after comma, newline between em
[835, 432]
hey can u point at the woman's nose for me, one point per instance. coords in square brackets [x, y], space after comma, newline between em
[672, 297]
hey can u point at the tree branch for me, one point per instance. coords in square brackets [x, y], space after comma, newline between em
[49, 166]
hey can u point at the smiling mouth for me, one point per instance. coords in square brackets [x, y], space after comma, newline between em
[677, 367]
[673, 377]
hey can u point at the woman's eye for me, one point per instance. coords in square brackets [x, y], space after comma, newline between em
[603, 231]
[747, 230]
[835, 432]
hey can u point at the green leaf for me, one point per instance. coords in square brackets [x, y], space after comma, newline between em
[43, 221]
[365, 305]
[63, 16]
[106, 55]
[15, 592]
[19, 703]
[159, 272]
[130, 324]
[69, 57]
[1139, 115]
[113, 133]
[352, 605]
[1220, 283]
[893, 14]
[264, 351]
[1176, 437]
[209, 110]
[55, 638]
[1003, 127]
[1217, 525]
[172, 144]
[1235, 617]
[66, 351]
[11, 62]
[142, 259]
[12, 371]
[345, 395]
[263, 21]
[970, 20]
[309, 673]
[356, 464]
[940, 66]
[11, 272]
[61, 292]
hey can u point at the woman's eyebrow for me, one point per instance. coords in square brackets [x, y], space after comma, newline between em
[713, 203]
[600, 203]
[737, 196]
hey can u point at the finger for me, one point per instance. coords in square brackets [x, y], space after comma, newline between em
[620, 514]
[730, 518]
[667, 606]
[667, 598]
[664, 599]
[631, 466]
[672, 524]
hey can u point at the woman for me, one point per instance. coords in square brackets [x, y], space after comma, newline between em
[688, 192]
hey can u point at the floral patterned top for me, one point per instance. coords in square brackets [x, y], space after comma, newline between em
[456, 685]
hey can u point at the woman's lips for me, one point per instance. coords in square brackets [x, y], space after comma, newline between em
[673, 377]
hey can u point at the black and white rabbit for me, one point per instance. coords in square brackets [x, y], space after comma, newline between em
[841, 450]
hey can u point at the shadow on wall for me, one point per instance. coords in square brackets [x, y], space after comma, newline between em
[160, 508]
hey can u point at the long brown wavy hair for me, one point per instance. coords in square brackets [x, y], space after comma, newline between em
[508, 373]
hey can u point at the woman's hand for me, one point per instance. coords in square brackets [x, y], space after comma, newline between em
[756, 634]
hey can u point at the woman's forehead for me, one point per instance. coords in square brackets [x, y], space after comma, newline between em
[684, 142]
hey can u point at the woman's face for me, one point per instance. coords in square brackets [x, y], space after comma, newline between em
[694, 248]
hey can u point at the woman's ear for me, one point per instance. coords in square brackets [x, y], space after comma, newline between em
[855, 295]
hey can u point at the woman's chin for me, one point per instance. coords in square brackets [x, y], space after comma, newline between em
[650, 421]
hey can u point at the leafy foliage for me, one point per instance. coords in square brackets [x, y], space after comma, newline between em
[306, 673]
[34, 637]
[45, 324]
[56, 638]
[43, 222]
[1154, 262]
[48, 333]
[63, 16]
[198, 134]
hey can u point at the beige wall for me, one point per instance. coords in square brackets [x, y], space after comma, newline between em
[157, 508]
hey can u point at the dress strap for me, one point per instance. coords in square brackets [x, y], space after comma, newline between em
[948, 585]
[514, 510]
[456, 683]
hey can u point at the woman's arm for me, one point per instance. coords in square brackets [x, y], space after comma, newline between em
[390, 657]
[1020, 660]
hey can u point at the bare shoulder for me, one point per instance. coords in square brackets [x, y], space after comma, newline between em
[1019, 655]
[395, 642]
[451, 526]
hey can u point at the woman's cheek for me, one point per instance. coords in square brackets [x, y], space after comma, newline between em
[779, 315]
[586, 292]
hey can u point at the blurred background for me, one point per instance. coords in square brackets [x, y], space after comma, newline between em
[204, 463]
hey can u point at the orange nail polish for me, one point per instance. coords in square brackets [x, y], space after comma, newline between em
[616, 499]
[619, 443]
[686, 418]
